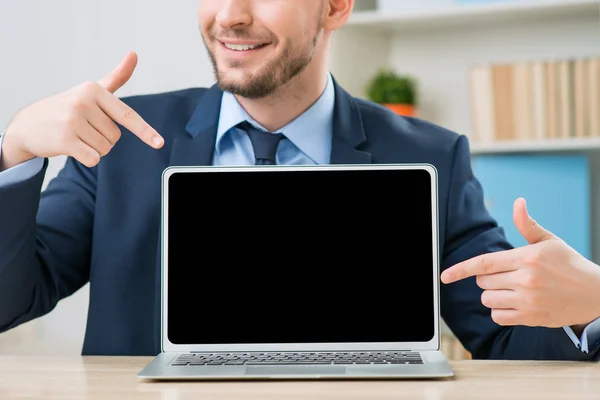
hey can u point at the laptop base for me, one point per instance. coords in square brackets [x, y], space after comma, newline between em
[435, 365]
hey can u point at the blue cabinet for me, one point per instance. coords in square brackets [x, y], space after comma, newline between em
[556, 187]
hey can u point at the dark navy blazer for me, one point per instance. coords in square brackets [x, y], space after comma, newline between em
[101, 225]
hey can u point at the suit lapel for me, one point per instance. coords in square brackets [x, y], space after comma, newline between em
[348, 131]
[196, 146]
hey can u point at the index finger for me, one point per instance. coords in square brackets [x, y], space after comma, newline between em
[123, 114]
[485, 264]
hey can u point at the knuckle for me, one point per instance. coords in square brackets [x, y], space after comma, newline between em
[488, 265]
[112, 133]
[107, 149]
[92, 159]
[529, 279]
[70, 121]
[532, 259]
[533, 224]
[88, 87]
[485, 298]
[128, 113]
[87, 160]
[81, 104]
[501, 317]
[115, 134]
[498, 318]
[479, 279]
[104, 150]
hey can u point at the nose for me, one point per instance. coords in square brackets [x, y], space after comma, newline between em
[234, 14]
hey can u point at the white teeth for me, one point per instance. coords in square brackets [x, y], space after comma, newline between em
[242, 47]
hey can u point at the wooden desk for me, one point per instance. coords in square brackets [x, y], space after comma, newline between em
[114, 378]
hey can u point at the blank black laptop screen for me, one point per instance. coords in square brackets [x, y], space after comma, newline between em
[300, 257]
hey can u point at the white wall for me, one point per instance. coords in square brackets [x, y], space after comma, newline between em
[47, 47]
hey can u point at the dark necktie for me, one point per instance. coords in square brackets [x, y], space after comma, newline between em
[264, 143]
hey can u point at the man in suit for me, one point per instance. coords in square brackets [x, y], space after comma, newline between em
[98, 221]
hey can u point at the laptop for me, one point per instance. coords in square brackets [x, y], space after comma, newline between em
[299, 272]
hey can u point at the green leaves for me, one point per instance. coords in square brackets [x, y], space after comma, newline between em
[389, 87]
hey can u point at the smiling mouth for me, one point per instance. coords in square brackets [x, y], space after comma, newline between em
[244, 47]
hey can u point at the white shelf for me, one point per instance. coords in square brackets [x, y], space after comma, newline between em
[473, 15]
[536, 146]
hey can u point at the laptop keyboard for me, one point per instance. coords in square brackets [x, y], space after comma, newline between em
[300, 358]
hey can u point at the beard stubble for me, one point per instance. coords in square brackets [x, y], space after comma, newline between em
[294, 58]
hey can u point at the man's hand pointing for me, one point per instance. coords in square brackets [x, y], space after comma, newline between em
[545, 283]
[80, 123]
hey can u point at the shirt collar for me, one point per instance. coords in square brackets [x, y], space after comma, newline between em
[311, 132]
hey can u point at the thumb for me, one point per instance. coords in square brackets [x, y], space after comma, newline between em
[527, 226]
[121, 74]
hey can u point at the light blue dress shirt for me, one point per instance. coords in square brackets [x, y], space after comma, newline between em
[307, 138]
[307, 141]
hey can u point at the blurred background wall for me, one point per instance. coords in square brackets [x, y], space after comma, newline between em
[516, 76]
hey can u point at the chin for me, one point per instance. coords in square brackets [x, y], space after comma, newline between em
[246, 90]
[233, 80]
[236, 78]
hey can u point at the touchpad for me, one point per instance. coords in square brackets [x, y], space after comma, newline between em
[295, 370]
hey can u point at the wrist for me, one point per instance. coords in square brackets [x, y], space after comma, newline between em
[594, 299]
[10, 153]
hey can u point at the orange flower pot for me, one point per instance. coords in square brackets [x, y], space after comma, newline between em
[407, 110]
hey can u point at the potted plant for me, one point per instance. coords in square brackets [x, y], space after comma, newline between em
[394, 91]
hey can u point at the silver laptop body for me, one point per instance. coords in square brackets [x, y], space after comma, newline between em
[387, 348]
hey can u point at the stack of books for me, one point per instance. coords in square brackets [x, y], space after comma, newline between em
[535, 100]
